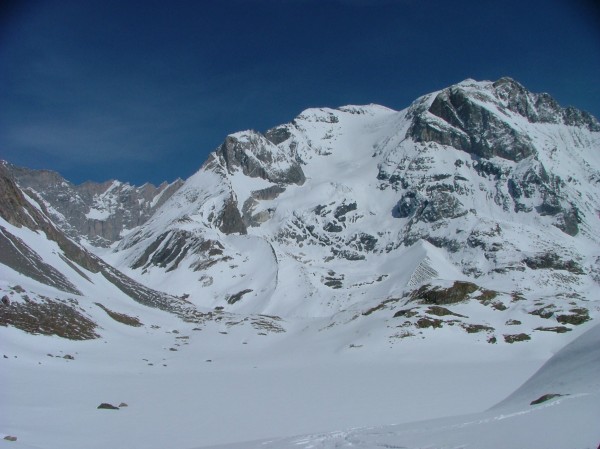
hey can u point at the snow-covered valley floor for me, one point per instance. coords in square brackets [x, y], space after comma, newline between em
[188, 388]
[564, 414]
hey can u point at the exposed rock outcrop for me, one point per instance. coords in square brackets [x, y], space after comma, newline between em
[258, 157]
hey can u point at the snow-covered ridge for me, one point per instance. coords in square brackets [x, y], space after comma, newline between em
[364, 208]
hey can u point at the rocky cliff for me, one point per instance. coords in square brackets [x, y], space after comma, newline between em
[99, 212]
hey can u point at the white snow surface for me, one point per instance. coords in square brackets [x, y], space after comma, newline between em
[571, 420]
[227, 384]
[225, 381]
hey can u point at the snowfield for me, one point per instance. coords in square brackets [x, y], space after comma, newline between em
[227, 388]
[571, 419]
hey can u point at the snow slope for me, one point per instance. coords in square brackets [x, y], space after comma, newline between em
[222, 378]
[568, 421]
[228, 383]
[225, 385]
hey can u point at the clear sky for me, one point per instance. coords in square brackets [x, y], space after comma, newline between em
[145, 90]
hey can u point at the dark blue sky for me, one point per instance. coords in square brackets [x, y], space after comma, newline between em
[144, 90]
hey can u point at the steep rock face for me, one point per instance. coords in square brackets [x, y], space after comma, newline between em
[17, 210]
[246, 169]
[540, 108]
[257, 156]
[230, 221]
[476, 120]
[12, 201]
[15, 253]
[99, 212]
[457, 119]
[517, 149]
[186, 231]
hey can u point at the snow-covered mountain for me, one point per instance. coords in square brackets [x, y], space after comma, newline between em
[43, 273]
[358, 266]
[51, 285]
[100, 213]
[475, 207]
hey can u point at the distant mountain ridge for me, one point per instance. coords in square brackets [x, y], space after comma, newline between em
[98, 212]
[29, 260]
[52, 285]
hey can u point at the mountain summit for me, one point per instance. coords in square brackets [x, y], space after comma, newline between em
[483, 189]
[482, 193]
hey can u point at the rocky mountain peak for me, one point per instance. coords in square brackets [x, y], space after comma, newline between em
[258, 156]
[540, 107]
[466, 117]
[516, 98]
[99, 212]
[497, 195]
[481, 193]
[485, 119]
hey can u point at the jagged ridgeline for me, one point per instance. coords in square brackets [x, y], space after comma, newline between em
[98, 212]
[474, 208]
